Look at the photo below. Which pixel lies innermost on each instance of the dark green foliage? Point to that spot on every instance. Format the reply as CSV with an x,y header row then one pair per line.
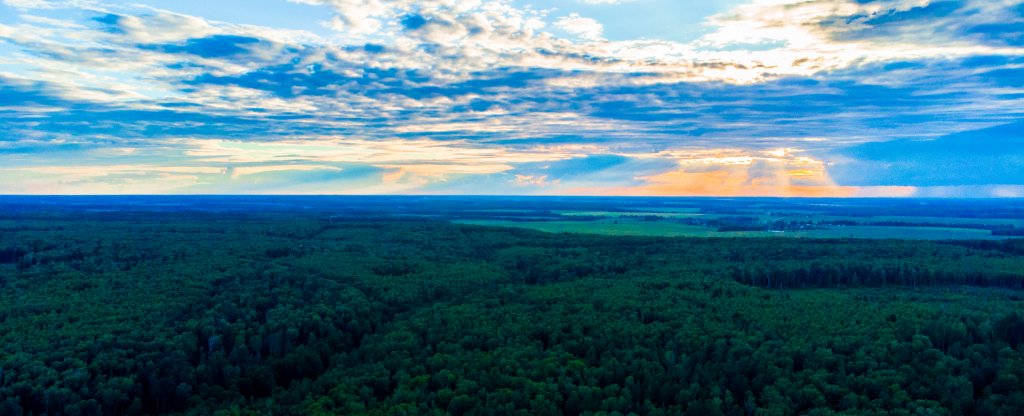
x,y
853,263
199,314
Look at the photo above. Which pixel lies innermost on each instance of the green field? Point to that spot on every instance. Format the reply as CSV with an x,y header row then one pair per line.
x,y
909,233
798,216
635,227
952,220
618,214
605,227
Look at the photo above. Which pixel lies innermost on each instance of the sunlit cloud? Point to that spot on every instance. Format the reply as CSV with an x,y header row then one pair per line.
x,y
794,98
585,28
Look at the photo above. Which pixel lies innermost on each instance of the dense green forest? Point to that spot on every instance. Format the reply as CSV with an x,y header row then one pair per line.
x,y
258,313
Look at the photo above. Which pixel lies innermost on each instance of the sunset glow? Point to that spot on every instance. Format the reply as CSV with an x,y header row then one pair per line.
x,y
761,98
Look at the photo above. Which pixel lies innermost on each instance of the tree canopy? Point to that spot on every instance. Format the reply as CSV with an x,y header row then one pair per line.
x,y
197,313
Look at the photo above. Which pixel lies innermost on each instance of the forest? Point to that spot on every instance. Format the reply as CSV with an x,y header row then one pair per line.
x,y
306,312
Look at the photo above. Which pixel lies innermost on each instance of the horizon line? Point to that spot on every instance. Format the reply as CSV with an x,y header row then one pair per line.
x,y
879,197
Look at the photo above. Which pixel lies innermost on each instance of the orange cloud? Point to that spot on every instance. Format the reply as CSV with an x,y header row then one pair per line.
x,y
719,183
731,173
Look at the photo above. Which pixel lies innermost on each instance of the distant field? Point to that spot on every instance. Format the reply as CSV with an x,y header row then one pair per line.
x,y
690,210
605,227
952,220
625,226
791,216
501,210
908,233
799,216
630,214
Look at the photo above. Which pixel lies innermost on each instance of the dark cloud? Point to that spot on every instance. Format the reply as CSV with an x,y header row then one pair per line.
x,y
936,20
936,9
341,178
481,105
374,48
615,170
834,105
24,94
413,21
978,157
1007,34
85,120
217,46
290,80
896,100
1004,77
111,22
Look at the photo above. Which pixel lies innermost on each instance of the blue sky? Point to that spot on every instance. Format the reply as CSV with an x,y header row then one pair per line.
x,y
592,97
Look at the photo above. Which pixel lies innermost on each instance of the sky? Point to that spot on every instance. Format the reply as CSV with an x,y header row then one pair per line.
x,y
811,98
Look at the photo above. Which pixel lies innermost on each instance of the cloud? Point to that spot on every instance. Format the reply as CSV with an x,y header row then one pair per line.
x,y
216,46
582,27
991,156
805,37
594,170
453,96
291,180
724,172
533,180
154,28
30,4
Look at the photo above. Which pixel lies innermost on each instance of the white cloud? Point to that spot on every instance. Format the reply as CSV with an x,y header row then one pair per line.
x,y
50,22
29,4
533,180
407,105
583,27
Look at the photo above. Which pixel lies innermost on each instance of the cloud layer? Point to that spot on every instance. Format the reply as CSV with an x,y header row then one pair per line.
x,y
823,97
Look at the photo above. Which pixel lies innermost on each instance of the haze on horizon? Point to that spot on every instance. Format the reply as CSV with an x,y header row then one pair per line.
x,y
517,97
